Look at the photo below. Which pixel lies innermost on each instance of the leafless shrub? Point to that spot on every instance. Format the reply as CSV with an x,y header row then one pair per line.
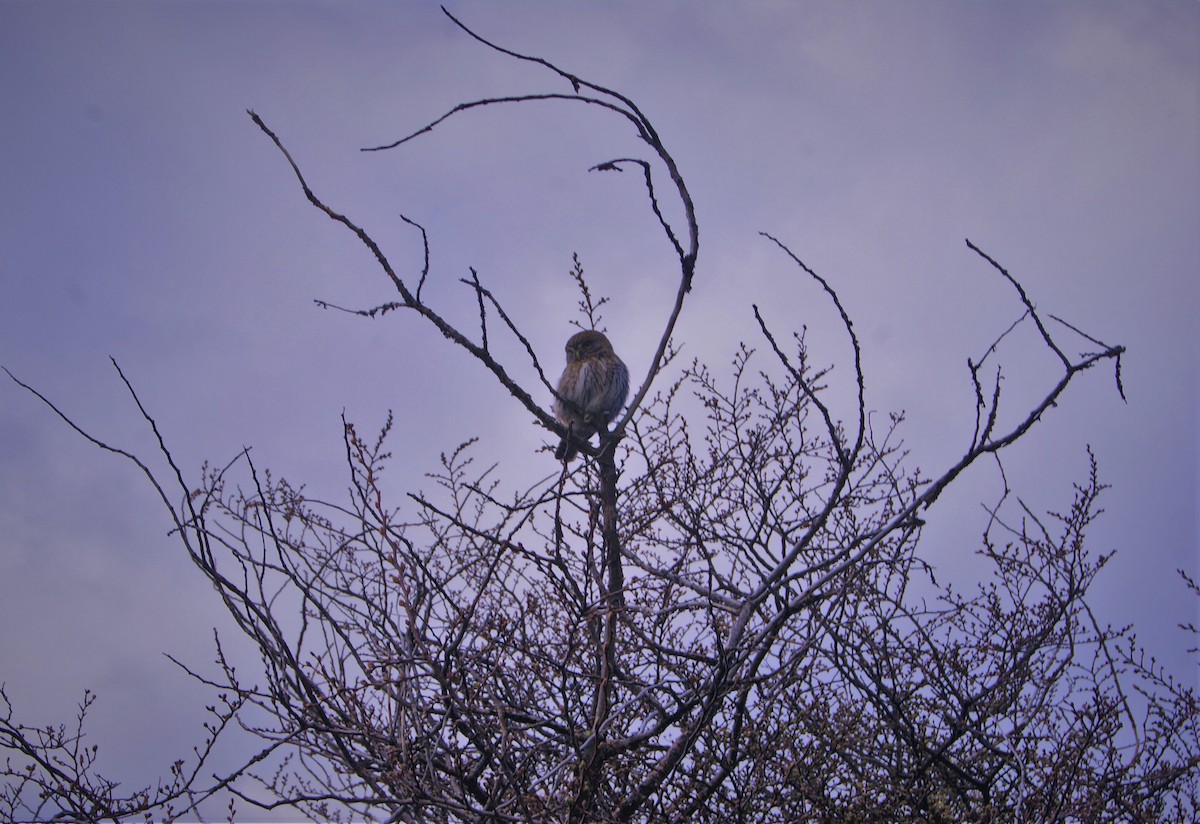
x,y
722,614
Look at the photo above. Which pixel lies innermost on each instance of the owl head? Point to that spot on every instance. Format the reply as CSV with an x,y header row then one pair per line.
x,y
587,344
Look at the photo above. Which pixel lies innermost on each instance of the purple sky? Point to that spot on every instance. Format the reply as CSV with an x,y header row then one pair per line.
x,y
146,218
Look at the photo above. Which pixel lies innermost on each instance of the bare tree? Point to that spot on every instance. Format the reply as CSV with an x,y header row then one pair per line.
x,y
721,614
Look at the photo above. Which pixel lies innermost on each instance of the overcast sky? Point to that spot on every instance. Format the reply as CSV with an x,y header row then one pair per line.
x,y
144,217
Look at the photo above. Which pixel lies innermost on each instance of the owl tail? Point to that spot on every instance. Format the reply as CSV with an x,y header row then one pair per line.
x,y
566,451
568,447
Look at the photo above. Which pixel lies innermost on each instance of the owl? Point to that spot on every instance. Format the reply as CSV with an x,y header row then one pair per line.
x,y
591,391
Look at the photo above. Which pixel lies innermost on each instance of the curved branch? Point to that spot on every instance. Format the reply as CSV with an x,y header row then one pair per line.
x,y
647,133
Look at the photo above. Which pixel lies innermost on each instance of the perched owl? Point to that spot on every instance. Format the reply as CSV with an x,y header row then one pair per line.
x,y
591,391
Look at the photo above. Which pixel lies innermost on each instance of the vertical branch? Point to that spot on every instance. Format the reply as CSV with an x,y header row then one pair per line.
x,y
591,756
615,596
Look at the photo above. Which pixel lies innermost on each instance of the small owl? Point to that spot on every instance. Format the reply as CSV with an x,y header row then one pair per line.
x,y
591,391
